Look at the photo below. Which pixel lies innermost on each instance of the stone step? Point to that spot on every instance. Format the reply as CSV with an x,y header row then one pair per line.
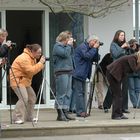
x,y
98,123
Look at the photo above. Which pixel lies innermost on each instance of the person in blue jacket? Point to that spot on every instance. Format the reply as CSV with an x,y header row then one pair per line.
x,y
63,68
84,55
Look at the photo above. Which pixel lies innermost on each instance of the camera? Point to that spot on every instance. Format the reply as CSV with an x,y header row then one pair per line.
x,y
13,44
47,58
101,43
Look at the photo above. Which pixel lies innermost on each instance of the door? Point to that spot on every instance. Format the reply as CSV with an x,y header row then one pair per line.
x,y
25,27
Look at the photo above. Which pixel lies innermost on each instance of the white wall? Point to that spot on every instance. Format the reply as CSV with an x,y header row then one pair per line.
x,y
106,27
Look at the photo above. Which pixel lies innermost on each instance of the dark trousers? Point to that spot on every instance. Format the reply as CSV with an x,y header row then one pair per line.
x,y
115,87
125,93
108,98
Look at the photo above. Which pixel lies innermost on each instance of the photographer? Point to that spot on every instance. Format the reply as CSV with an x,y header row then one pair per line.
x,y
63,68
116,71
118,48
4,46
84,56
22,70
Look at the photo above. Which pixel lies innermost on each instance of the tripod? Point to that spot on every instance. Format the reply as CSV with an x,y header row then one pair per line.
x,y
6,67
41,93
92,86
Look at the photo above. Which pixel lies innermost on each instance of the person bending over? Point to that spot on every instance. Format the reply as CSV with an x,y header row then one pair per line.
x,y
22,70
116,71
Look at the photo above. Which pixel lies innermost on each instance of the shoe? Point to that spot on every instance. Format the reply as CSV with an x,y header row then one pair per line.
x,y
124,117
71,111
18,122
83,114
125,111
35,119
67,115
116,118
32,119
106,110
100,106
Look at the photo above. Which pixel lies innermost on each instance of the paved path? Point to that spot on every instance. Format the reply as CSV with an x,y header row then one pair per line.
x,y
98,123
84,137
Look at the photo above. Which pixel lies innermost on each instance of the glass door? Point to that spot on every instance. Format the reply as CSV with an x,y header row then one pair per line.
x,y
0,72
3,95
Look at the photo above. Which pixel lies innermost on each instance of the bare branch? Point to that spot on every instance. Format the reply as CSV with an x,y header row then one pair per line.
x,y
93,8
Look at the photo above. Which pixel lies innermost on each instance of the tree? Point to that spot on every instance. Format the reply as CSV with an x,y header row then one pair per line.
x,y
93,8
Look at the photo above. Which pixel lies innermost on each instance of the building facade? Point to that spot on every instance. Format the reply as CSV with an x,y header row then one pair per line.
x,y
31,22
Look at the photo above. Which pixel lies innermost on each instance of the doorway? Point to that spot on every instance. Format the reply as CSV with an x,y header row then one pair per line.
x,y
24,27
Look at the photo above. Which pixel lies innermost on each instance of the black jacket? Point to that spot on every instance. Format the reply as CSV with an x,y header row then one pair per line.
x,y
3,50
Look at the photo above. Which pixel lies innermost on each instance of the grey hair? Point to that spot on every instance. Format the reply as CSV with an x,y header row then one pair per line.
x,y
92,37
3,31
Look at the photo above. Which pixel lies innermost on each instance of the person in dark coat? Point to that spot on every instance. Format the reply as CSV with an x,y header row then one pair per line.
x,y
85,54
118,48
4,45
116,71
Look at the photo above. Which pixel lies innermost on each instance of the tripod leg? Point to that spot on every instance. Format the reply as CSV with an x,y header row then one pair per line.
x,y
136,106
10,99
56,100
41,92
10,104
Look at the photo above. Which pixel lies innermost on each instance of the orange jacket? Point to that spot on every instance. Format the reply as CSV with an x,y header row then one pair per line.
x,y
23,69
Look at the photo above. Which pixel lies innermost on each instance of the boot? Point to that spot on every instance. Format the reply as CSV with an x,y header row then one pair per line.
x,y
67,115
61,116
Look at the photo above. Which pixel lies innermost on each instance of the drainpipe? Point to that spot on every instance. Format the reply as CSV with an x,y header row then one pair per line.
x,y
137,20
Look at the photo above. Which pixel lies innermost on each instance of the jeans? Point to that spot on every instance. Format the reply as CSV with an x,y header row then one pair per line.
x,y
73,99
79,91
63,91
134,90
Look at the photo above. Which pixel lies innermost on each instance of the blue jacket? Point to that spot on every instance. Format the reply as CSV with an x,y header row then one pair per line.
x,y
84,57
62,57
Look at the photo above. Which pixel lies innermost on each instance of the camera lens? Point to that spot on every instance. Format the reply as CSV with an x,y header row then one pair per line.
x,y
101,43
13,44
